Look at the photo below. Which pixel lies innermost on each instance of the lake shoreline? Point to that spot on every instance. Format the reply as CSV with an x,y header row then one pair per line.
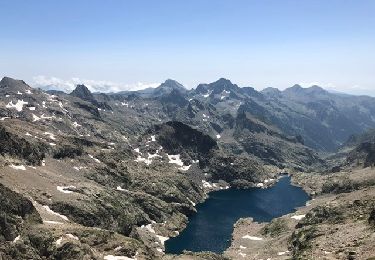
x,y
219,193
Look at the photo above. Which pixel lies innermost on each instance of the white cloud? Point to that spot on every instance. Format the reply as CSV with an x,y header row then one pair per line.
x,y
103,86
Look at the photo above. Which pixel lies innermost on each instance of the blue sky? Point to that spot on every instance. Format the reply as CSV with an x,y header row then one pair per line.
x,y
123,44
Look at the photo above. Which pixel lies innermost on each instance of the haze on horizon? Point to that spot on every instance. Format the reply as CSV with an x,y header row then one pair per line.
x,y
120,45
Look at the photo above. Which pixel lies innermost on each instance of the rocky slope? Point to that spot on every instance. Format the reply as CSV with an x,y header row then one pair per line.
x,y
336,224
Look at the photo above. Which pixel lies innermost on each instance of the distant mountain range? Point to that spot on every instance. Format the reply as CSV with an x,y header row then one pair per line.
x,y
306,112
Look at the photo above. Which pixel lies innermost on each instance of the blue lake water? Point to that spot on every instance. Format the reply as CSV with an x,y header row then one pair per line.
x,y
210,229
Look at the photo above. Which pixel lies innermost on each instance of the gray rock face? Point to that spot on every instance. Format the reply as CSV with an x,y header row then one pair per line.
x,y
16,213
16,146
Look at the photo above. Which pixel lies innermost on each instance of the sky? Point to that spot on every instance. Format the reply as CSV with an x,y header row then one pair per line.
x,y
120,45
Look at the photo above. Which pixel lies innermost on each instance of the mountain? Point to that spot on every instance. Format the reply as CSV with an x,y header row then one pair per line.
x,y
324,120
167,87
125,170
82,92
164,89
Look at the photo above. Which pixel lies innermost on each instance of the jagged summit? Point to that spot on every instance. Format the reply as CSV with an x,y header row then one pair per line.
x,y
82,92
217,86
223,81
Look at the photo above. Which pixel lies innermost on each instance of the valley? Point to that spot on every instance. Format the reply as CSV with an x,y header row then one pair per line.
x,y
115,175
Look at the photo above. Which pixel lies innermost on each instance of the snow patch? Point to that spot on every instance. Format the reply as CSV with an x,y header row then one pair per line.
x,y
50,135
16,239
52,222
192,203
55,213
35,118
145,160
252,238
242,254
72,236
46,117
18,106
78,168
92,157
59,241
298,217
175,159
185,167
18,167
206,184
75,124
162,239
282,253
62,107
65,189
115,257
120,189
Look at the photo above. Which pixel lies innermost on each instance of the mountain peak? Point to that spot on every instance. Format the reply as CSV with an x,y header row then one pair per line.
x,y
297,89
82,92
7,81
221,85
223,81
172,84
168,87
317,89
13,84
